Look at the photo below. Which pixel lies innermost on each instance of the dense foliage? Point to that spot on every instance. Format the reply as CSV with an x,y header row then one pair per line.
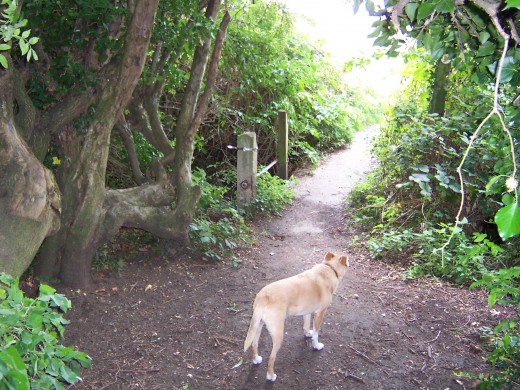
x,y
32,356
459,165
266,66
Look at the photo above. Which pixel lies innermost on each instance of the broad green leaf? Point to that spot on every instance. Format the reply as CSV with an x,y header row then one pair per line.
x,y
411,10
486,49
4,46
26,34
67,374
24,46
3,61
484,36
508,220
12,359
512,4
509,69
35,319
34,40
425,10
492,186
419,177
46,290
445,6
422,168
507,199
61,301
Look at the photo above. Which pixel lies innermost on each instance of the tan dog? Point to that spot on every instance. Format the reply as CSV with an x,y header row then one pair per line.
x,y
300,295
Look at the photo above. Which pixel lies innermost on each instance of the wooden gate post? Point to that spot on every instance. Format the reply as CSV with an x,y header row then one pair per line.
x,y
247,152
282,146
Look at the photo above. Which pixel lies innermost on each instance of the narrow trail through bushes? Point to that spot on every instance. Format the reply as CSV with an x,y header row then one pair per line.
x,y
167,323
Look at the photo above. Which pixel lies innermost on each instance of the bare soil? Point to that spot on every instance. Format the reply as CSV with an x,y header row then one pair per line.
x,y
167,322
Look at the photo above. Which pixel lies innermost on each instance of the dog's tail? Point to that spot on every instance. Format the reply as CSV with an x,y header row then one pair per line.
x,y
256,319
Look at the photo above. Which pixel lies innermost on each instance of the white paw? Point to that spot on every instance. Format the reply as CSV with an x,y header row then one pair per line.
x,y
257,359
308,333
271,378
317,346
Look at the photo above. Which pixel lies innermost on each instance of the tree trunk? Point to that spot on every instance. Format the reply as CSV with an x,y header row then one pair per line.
x,y
440,88
29,196
190,118
72,250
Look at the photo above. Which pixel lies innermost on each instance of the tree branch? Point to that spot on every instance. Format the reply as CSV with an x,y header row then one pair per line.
x,y
203,103
397,10
128,140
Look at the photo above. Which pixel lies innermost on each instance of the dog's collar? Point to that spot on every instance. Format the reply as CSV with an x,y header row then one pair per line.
x,y
332,268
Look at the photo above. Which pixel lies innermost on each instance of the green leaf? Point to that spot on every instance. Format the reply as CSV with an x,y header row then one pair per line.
x,y
486,49
425,10
14,373
68,375
419,177
411,10
24,46
445,6
26,34
508,69
508,221
484,36
4,46
507,199
512,4
492,185
3,61
46,290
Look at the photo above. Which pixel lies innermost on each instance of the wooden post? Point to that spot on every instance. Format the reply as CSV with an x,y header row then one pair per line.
x,y
282,146
247,152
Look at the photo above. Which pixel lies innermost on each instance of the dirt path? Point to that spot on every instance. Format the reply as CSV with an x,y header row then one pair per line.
x,y
163,324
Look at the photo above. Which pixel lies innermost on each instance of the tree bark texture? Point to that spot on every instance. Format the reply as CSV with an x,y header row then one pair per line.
x,y
76,203
72,250
440,88
29,195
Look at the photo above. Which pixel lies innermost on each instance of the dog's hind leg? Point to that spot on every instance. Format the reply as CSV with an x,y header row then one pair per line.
x,y
275,326
307,331
257,359
316,325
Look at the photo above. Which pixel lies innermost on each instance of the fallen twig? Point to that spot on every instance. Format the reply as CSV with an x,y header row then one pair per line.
x,y
228,339
356,378
408,337
362,355
434,339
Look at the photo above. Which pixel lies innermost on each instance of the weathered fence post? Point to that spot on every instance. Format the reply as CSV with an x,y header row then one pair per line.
x,y
247,152
282,131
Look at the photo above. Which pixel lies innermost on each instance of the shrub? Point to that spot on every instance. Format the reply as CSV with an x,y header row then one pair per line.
x,y
217,229
31,355
272,195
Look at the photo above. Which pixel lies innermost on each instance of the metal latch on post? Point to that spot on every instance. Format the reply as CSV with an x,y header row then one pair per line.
x,y
242,148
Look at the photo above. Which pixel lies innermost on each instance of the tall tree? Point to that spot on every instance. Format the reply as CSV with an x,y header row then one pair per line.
x,y
63,108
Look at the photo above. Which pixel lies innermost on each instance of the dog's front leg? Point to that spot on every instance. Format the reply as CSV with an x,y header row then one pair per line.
x,y
307,331
316,325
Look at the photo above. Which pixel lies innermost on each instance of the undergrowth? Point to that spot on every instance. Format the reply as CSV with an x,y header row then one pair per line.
x,y
409,200
31,353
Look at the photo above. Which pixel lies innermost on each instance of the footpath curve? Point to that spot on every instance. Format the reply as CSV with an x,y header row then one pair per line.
x,y
180,324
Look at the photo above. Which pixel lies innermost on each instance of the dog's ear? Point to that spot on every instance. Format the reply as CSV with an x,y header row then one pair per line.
x,y
329,256
344,260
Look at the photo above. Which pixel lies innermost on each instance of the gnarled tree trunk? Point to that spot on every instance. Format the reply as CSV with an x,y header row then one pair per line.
x,y
72,250
29,196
